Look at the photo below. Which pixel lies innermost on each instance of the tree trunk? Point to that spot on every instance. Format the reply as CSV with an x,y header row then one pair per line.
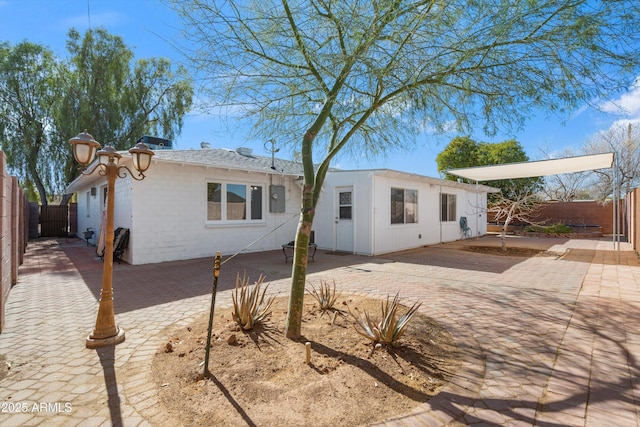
x,y
37,181
41,190
503,235
299,268
32,166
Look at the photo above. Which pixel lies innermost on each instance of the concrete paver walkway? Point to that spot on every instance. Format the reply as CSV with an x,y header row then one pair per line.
x,y
546,341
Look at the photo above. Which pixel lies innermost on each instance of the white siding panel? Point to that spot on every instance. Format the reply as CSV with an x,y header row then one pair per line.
x,y
374,233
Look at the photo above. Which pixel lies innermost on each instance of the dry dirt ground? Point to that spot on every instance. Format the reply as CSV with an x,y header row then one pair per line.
x,y
261,378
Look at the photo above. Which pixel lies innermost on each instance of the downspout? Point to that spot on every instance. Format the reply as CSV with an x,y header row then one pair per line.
x,y
617,207
478,213
373,214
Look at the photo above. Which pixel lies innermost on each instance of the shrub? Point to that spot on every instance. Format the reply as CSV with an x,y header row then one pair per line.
x,y
326,296
249,305
553,228
391,327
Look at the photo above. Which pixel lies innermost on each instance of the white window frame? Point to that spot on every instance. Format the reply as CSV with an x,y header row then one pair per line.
x,y
248,204
451,214
404,206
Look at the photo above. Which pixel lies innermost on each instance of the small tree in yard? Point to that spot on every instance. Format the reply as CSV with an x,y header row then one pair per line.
x,y
522,207
366,76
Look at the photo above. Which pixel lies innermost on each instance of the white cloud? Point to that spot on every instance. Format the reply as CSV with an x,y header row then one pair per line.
x,y
628,104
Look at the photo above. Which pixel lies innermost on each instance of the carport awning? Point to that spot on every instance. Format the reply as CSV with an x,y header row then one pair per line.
x,y
536,168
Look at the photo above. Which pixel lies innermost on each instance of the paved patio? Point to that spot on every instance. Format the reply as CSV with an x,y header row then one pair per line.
x,y
547,341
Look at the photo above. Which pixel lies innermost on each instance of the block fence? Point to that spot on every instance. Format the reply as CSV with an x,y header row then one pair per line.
x,y
13,208
577,213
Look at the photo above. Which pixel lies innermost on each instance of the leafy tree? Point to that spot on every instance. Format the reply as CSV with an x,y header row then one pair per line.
x,y
29,91
463,152
118,101
366,75
46,100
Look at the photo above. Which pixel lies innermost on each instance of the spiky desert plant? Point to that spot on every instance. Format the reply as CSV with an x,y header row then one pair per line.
x,y
250,306
325,295
391,327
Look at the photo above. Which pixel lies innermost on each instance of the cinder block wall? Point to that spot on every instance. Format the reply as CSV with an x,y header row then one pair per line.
x,y
12,233
633,209
578,213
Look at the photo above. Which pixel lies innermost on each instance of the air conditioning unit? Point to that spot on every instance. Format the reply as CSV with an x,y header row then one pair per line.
x,y
156,143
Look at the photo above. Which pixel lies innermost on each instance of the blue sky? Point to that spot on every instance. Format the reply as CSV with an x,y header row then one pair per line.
x,y
147,25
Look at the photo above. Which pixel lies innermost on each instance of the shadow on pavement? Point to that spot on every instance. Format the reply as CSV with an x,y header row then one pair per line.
x,y
107,359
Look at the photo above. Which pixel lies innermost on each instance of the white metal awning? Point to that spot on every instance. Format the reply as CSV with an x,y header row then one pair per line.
x,y
536,168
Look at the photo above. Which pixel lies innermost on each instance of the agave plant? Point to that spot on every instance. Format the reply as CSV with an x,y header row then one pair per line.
x,y
325,295
391,327
250,306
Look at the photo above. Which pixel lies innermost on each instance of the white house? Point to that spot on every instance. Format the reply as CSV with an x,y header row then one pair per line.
x,y
196,202
193,203
374,212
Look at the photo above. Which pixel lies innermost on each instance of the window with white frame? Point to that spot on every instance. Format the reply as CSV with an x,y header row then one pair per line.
x,y
234,202
447,207
404,206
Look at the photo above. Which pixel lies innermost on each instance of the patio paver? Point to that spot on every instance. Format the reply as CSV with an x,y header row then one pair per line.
x,y
546,340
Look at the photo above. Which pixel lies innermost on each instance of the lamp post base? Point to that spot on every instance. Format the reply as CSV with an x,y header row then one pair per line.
x,y
103,342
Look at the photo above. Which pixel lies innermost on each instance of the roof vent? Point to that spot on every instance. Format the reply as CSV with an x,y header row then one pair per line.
x,y
245,151
205,145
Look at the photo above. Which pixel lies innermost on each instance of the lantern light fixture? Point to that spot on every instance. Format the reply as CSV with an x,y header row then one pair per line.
x,y
106,332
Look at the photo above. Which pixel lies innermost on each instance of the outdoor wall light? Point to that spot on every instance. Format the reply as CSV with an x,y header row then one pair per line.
x,y
106,332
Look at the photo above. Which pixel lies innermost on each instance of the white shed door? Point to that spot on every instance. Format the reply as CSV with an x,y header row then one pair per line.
x,y
343,230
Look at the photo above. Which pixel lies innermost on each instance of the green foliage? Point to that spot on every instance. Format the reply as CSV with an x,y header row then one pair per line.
x,y
464,152
249,305
45,100
325,295
116,98
29,92
550,229
389,328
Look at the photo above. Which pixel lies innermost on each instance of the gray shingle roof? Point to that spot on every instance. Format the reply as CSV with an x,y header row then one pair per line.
x,y
229,159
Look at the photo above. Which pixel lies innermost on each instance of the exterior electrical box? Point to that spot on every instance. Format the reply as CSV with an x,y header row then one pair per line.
x,y
276,198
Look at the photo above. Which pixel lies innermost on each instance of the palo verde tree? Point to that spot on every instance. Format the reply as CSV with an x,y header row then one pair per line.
x,y
366,75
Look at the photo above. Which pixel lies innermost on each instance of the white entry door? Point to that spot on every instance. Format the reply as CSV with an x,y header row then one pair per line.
x,y
343,230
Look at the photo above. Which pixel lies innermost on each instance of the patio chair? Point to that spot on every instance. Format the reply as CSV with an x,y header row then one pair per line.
x,y
464,228
288,248
120,243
